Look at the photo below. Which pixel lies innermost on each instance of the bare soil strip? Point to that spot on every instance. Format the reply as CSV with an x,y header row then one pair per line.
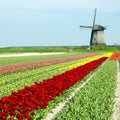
x,y
52,115
116,114
29,54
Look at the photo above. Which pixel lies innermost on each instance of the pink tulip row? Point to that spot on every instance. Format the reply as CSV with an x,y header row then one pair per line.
x,y
12,68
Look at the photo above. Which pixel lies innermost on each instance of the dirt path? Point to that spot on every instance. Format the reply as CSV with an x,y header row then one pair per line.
x,y
29,54
116,115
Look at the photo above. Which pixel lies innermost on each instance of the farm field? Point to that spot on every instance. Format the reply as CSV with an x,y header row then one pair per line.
x,y
31,93
95,100
12,60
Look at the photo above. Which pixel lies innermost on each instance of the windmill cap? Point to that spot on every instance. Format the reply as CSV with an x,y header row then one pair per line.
x,y
99,27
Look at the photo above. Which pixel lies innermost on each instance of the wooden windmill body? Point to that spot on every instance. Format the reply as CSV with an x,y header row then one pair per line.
x,y
97,33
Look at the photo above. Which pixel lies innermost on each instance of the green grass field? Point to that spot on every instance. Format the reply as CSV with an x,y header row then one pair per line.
x,y
58,49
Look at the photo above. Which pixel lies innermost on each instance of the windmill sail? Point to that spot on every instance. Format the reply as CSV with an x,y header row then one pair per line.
x,y
92,32
86,26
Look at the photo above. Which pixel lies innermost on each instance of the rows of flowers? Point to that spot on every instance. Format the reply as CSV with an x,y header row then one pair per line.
x,y
17,81
22,104
96,100
115,56
88,60
7,69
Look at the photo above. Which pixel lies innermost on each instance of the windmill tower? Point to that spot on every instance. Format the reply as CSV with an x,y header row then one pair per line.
x,y
97,33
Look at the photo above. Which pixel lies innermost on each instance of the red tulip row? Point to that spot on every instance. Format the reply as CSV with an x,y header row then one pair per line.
x,y
7,69
21,104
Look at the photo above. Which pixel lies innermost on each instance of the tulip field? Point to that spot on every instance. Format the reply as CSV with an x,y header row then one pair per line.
x,y
30,90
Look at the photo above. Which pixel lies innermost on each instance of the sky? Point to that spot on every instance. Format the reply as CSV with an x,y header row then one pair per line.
x,y
56,22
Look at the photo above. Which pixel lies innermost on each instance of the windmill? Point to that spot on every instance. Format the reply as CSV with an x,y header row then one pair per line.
x,y
97,33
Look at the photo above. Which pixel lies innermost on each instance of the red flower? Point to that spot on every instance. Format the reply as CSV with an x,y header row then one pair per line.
x,y
11,119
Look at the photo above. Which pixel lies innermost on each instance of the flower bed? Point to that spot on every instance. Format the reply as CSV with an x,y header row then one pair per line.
x,y
7,69
115,56
96,99
21,104
17,81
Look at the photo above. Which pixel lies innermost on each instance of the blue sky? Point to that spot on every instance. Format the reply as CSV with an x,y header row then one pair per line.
x,y
56,22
